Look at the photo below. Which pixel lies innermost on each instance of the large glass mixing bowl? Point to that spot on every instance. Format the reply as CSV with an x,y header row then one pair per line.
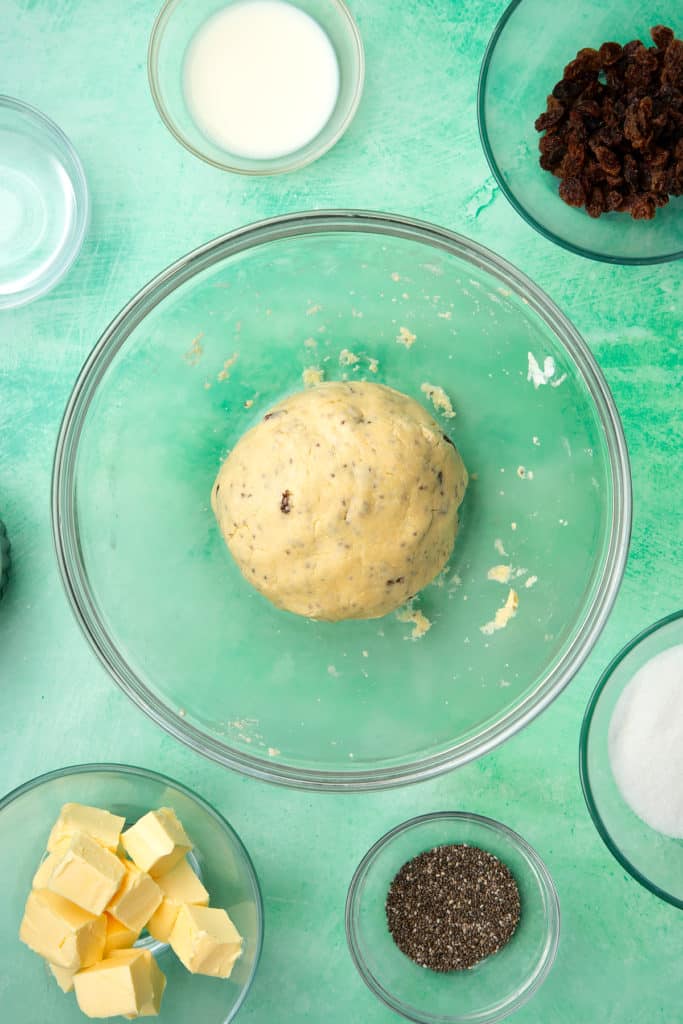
x,y
197,357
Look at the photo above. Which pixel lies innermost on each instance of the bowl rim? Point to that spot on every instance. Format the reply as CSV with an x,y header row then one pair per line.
x,y
279,165
510,195
127,769
57,138
64,516
548,886
584,772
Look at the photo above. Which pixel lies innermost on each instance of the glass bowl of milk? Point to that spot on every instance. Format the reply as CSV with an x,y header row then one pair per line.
x,y
256,86
631,758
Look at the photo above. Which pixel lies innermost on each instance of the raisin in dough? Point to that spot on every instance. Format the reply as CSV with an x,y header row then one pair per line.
x,y
342,502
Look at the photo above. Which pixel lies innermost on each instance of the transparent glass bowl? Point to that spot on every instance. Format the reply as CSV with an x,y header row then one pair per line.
x,y
44,205
350,705
175,27
654,860
524,59
491,989
26,816
5,558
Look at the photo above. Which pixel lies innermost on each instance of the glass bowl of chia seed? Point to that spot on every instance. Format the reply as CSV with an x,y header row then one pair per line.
x,y
455,888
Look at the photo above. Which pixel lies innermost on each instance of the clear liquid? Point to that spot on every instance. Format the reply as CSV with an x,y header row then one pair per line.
x,y
37,213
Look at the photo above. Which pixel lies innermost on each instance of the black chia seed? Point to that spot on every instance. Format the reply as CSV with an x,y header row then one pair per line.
x,y
452,906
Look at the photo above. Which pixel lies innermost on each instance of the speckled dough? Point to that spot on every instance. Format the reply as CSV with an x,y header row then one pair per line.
x,y
343,502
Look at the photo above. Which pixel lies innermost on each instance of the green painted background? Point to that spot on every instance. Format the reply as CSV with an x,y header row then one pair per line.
x,y
412,149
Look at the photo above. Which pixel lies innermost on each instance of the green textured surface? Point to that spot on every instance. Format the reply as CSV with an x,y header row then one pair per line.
x,y
412,149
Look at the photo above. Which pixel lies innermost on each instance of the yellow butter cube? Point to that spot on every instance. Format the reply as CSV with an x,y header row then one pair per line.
x,y
119,936
205,940
60,931
157,841
42,875
182,885
87,874
179,885
157,981
103,827
160,924
128,983
63,976
136,900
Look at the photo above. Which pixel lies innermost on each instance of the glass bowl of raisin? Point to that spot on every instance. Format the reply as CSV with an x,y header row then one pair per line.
x,y
584,130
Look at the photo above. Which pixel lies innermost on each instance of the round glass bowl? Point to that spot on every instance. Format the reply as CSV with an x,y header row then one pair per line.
x,y
654,860
26,817
493,988
526,56
175,27
197,358
44,206
5,558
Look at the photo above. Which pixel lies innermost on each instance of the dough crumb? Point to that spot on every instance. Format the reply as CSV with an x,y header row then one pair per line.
x,y
195,351
249,402
332,671
348,358
365,654
312,376
439,399
530,582
356,313
503,615
273,751
537,375
500,573
536,441
405,337
445,316
525,474
395,276
421,624
207,385
560,380
310,343
227,366
498,545
313,309
513,526
373,364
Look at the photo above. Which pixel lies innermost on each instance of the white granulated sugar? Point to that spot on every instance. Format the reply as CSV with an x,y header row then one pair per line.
x,y
646,742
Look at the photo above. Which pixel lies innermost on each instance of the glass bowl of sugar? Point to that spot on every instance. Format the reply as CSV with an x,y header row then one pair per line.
x,y
256,86
631,758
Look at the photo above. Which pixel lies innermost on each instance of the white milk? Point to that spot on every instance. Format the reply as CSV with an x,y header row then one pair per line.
x,y
261,78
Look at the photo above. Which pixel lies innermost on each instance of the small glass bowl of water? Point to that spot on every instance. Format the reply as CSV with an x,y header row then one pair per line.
x,y
44,206
228,102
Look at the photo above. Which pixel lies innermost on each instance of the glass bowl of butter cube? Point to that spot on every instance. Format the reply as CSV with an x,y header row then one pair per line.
x,y
124,896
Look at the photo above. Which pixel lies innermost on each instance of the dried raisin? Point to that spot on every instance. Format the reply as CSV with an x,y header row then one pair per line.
x,y
614,127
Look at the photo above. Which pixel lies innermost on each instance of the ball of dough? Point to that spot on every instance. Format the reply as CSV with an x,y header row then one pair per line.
x,y
343,502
